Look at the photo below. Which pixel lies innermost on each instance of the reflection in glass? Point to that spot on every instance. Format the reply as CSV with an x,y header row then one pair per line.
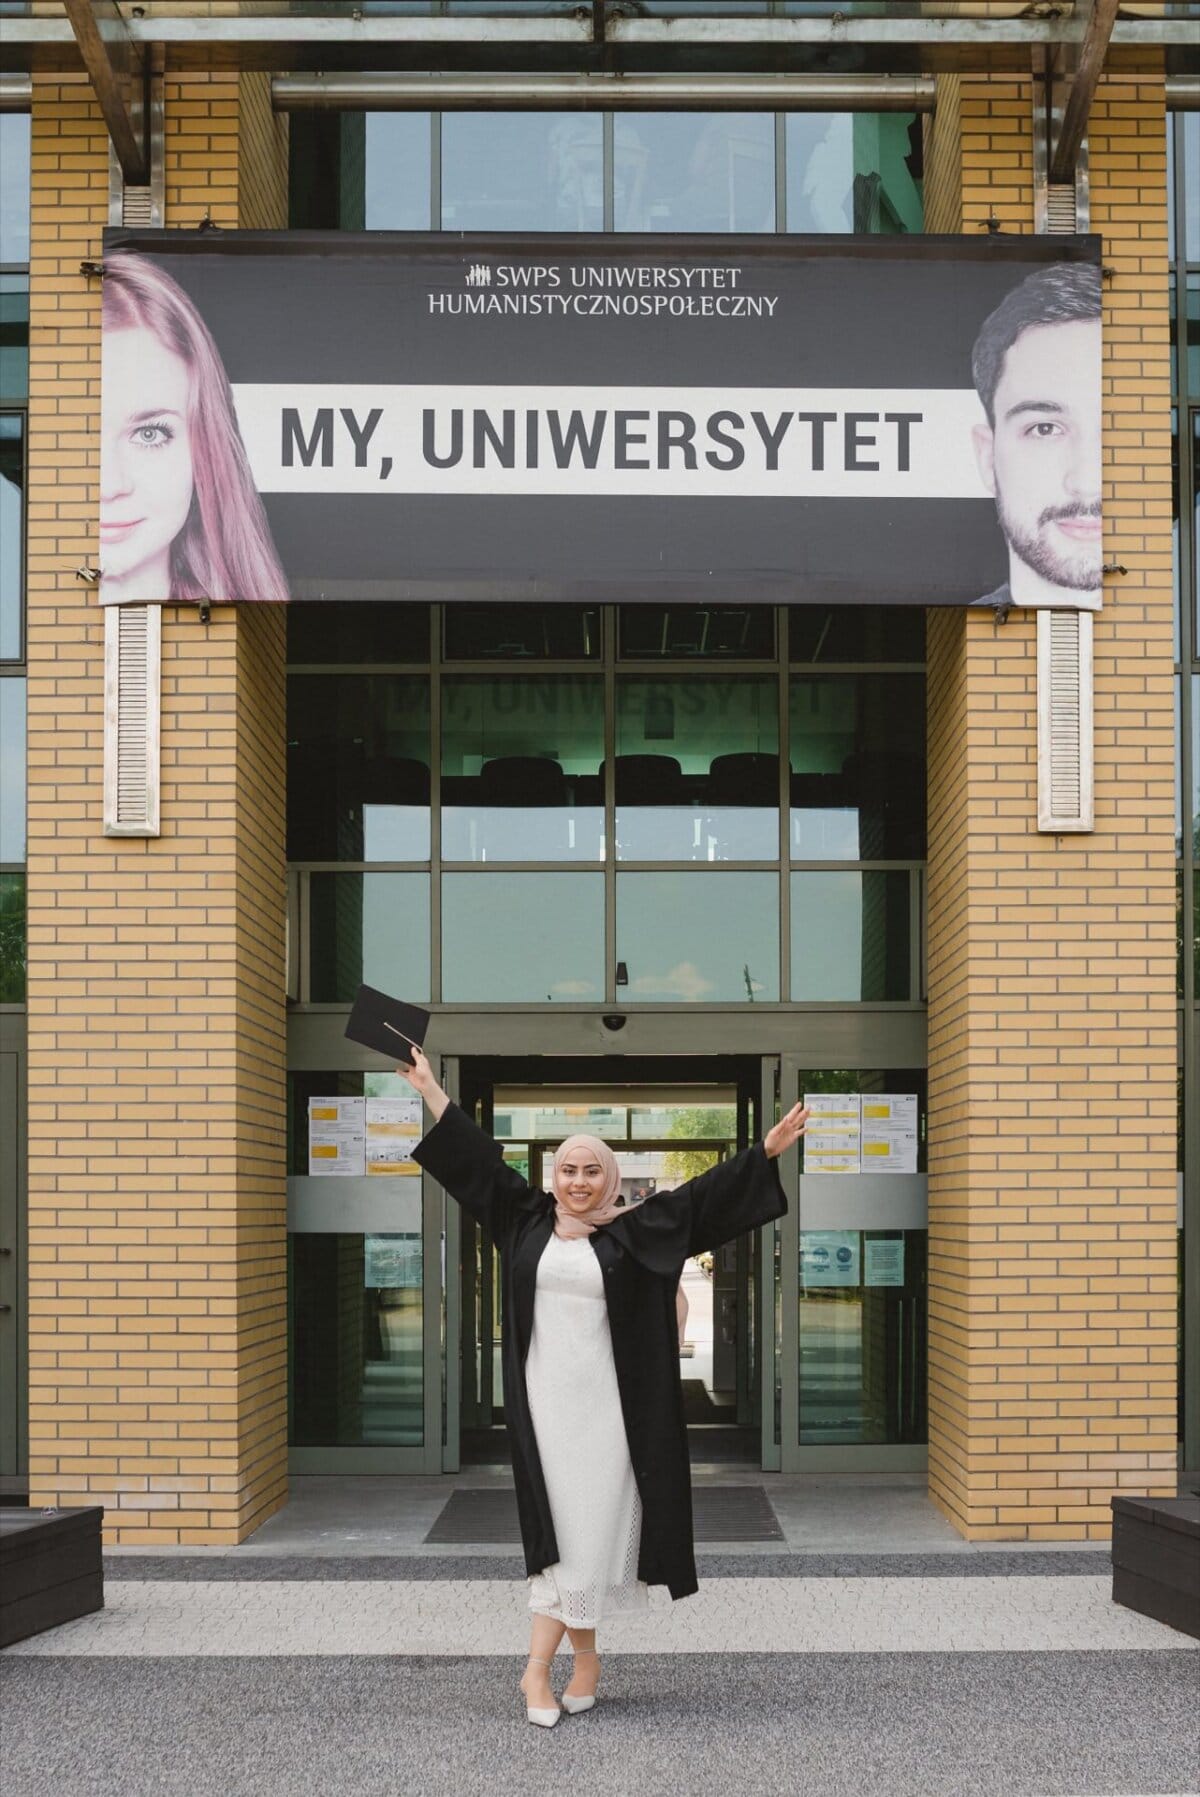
x,y
857,767
12,939
732,632
833,633
512,938
545,632
851,936
694,171
352,631
853,172
371,928
1191,160
14,186
12,535
697,770
522,171
12,768
397,159
521,763
1195,793
356,1340
14,337
862,1369
698,938
358,767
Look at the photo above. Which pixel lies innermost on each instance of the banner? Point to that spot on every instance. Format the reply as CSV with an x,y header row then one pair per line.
x,y
845,420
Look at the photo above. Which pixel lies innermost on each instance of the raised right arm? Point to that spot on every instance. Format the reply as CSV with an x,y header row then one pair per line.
x,y
463,1158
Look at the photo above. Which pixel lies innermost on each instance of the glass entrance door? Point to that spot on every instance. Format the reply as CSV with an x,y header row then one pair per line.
x,y
662,1133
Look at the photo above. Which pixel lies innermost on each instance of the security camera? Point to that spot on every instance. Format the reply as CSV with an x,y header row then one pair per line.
x,y
614,1022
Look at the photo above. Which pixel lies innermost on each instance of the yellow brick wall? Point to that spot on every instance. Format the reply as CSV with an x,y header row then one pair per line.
x,y
1052,959
156,1013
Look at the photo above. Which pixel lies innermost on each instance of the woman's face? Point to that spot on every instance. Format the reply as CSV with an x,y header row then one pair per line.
x,y
146,462
578,1182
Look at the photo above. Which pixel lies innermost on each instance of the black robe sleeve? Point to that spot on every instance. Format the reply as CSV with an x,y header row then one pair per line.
x,y
469,1164
729,1199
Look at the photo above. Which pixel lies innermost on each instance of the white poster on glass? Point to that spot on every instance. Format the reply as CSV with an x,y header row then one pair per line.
x,y
889,1132
832,1133
335,1138
393,1129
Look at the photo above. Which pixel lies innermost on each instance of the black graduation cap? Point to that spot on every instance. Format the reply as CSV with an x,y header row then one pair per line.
x,y
387,1025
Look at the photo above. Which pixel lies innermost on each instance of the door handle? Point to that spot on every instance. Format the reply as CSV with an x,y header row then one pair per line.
x,y
4,1307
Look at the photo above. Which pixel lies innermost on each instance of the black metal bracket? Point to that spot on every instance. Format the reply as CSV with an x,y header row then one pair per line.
x,y
93,270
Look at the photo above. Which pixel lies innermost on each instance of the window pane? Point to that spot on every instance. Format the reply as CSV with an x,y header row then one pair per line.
x,y
12,536
358,767
856,633
521,763
850,936
12,939
857,767
14,187
397,184
1195,793
548,632
863,1335
12,769
522,938
522,171
694,171
14,338
356,1340
853,172
697,772
371,928
736,633
698,938
347,631
1191,161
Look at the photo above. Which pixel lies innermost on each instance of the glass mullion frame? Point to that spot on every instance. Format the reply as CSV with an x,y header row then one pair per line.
x,y
608,657
782,644
436,650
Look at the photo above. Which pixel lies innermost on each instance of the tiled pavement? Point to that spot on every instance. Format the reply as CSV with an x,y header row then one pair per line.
x,y
350,1667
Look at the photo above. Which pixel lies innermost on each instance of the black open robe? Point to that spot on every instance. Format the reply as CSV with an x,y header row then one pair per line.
x,y
642,1256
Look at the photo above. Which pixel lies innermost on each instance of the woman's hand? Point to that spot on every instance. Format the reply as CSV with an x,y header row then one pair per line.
x,y
420,1077
786,1132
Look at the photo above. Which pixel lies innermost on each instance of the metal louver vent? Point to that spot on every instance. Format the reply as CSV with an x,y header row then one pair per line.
x,y
1065,787
1060,206
137,206
132,679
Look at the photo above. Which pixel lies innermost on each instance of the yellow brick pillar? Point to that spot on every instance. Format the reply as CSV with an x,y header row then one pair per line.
x,y
156,966
1052,959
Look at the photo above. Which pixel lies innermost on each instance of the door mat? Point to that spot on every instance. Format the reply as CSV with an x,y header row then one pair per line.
x,y
722,1513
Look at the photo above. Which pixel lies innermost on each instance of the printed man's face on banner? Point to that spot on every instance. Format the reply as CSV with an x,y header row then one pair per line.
x,y
1041,457
146,462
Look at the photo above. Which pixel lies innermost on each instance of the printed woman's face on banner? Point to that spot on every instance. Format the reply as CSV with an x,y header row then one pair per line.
x,y
146,476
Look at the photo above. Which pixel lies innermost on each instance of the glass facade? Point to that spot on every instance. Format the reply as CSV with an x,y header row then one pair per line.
x,y
14,397
652,807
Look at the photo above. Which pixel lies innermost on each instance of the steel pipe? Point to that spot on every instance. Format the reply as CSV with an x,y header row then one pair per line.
x,y
1183,93
16,93
381,91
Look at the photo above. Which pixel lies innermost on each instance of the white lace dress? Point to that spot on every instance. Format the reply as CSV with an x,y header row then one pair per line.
x,y
576,1410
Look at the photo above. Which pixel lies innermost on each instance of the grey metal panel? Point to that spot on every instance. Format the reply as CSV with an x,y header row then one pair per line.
x,y
862,1037
384,91
864,1201
366,1206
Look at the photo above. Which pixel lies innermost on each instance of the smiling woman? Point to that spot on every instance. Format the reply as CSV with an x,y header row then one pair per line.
x,y
180,516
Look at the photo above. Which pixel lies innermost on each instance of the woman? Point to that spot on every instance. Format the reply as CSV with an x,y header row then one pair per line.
x,y
591,1367
180,516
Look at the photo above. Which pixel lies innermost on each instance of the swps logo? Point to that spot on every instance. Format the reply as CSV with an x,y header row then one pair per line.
x,y
479,275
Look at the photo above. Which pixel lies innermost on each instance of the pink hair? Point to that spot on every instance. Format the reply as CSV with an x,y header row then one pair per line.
x,y
224,550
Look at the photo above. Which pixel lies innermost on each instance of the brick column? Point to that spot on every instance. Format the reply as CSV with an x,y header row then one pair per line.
x,y
1052,959
156,967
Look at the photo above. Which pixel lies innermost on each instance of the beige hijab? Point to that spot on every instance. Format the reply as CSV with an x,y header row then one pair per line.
x,y
568,1225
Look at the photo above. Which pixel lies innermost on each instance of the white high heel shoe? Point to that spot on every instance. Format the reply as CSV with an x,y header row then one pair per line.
x,y
540,1718
575,1706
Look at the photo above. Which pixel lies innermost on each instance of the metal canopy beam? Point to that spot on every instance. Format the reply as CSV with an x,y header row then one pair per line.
x,y
1101,18
384,92
832,44
110,59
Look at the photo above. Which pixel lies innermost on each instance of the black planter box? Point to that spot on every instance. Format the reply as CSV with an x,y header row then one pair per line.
x,y
50,1569
1156,1559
